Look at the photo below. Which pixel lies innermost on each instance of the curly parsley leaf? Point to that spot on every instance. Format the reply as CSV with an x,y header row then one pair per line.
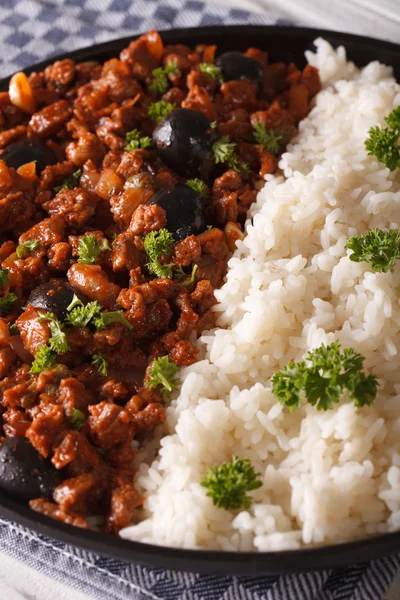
x,y
13,329
162,376
4,277
58,341
321,379
105,319
70,182
159,110
230,483
180,273
198,186
45,358
160,82
157,243
100,362
76,419
26,248
135,140
6,304
267,137
212,71
383,142
89,248
379,247
81,314
224,152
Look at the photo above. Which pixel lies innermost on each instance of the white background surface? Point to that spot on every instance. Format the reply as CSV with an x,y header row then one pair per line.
x,y
375,18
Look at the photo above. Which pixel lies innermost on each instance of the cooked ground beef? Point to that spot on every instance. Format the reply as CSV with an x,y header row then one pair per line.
x,y
123,189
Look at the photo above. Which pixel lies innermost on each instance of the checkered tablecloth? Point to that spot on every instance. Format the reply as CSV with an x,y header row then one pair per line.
x,y
31,30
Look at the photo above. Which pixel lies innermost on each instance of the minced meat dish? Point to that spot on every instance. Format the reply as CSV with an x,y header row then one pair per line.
x,y
124,188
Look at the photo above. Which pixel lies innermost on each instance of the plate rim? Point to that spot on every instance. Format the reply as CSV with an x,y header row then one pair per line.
x,y
199,560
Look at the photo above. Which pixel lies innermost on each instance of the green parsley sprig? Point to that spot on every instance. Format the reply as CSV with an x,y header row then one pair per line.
x,y
100,362
6,304
135,140
162,376
45,358
159,110
4,277
160,82
90,247
105,319
383,142
230,483
198,186
321,379
379,247
180,274
267,137
25,249
224,152
212,71
58,341
77,418
70,182
157,243
80,314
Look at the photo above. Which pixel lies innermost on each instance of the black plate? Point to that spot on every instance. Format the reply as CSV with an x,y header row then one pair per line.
x,y
286,44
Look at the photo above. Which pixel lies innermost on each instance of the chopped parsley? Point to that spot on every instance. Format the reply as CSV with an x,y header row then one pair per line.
x,y
322,377
100,362
105,319
383,142
212,71
26,248
80,314
379,247
45,358
198,186
224,152
77,418
157,243
4,277
70,182
181,274
135,140
159,110
89,248
162,376
230,483
13,329
160,82
267,137
58,341
6,304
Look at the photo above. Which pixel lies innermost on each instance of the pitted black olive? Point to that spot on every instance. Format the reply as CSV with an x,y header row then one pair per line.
x,y
20,153
24,473
183,141
55,296
184,208
235,65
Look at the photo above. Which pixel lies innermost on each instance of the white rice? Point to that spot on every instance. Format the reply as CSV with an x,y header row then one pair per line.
x,y
327,476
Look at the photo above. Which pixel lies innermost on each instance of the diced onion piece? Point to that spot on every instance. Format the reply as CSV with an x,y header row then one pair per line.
x,y
154,44
109,184
233,233
209,54
21,93
28,170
